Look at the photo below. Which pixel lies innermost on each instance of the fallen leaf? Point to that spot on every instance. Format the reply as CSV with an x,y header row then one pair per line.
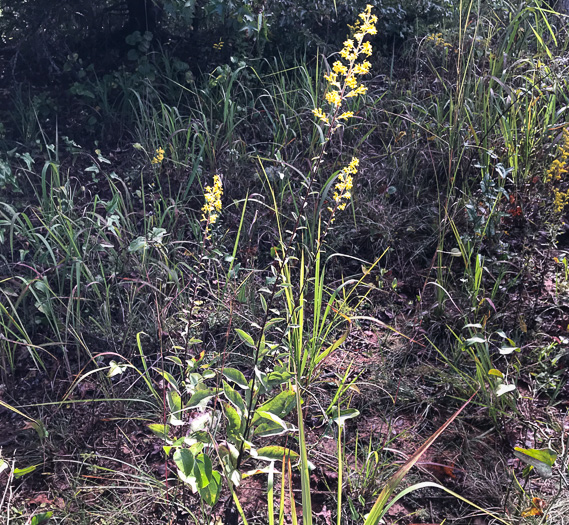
x,y
40,499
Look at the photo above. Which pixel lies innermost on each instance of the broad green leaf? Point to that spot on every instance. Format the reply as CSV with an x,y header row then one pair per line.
x,y
202,471
210,493
233,423
232,374
169,377
494,372
245,337
275,419
276,453
541,459
184,460
200,399
234,397
270,428
278,378
281,405
175,405
161,431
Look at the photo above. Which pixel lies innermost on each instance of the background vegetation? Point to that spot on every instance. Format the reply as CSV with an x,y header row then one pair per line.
x,y
217,306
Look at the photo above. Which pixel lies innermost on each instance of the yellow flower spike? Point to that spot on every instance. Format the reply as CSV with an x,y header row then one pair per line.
x,y
212,207
343,78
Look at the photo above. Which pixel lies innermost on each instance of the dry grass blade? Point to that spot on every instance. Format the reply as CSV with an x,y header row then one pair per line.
x,y
378,509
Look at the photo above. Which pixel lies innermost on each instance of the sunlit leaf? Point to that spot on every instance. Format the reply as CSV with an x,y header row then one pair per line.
x,y
276,453
232,374
161,431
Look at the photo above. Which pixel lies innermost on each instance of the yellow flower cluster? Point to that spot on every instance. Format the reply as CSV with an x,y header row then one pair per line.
x,y
218,46
159,157
343,79
558,168
437,40
212,206
342,189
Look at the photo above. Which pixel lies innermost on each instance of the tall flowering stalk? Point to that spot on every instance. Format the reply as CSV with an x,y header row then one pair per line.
x,y
344,82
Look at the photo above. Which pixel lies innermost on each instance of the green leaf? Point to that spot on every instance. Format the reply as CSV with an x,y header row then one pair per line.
x,y
138,244
184,460
161,431
203,471
270,428
234,397
232,374
169,377
475,340
40,518
233,423
200,398
19,472
276,453
175,405
507,350
344,414
245,337
275,419
281,405
541,459
210,493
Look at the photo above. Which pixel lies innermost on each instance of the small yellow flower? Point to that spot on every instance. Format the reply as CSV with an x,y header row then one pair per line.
x,y
360,90
159,157
340,68
319,114
346,115
333,97
351,82
362,69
